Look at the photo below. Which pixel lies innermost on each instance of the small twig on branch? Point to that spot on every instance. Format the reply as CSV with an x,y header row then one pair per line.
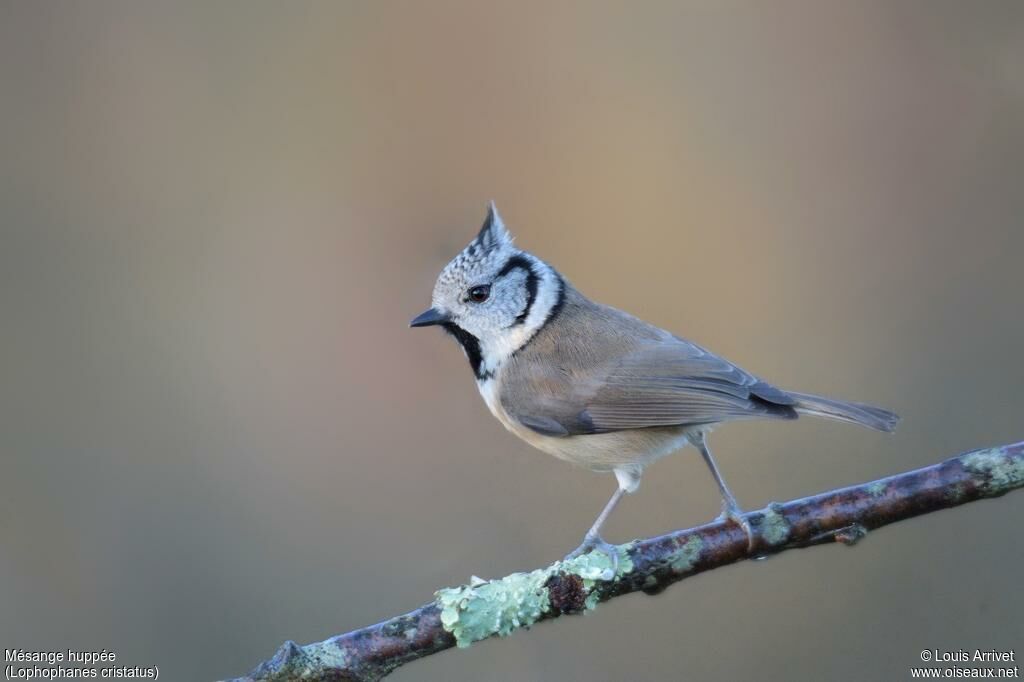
x,y
463,615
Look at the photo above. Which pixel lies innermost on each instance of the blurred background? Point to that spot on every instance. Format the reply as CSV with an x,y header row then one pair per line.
x,y
216,220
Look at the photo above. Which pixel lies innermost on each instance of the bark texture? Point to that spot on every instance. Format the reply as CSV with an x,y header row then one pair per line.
x,y
462,615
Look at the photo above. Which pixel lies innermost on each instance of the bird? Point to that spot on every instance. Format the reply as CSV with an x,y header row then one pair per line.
x,y
593,385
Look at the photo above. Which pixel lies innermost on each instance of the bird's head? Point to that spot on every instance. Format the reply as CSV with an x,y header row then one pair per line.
x,y
492,297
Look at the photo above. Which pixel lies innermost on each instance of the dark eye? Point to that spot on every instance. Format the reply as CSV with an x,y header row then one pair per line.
x,y
480,294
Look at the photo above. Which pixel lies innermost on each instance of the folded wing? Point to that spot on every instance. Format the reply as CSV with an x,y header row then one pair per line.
x,y
659,383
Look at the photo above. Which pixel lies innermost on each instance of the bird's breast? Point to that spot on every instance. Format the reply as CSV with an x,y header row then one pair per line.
x,y
490,391
489,388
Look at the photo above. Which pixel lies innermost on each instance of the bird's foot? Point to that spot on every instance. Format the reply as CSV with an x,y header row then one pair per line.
x,y
732,512
594,543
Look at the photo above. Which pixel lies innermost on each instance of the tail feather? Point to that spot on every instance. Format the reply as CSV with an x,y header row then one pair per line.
x,y
845,411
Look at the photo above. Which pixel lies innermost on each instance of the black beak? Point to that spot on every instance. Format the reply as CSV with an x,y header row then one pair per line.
x,y
428,318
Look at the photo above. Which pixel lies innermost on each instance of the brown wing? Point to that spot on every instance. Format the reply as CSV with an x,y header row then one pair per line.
x,y
602,370
676,383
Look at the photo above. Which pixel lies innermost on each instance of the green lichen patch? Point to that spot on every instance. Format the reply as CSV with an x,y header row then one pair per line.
x,y
497,607
774,527
294,662
597,565
484,609
1000,472
684,558
877,489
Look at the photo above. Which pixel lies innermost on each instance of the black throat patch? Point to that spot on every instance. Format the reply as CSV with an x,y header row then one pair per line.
x,y
471,345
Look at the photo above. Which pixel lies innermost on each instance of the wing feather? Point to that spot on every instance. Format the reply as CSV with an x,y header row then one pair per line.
x,y
620,373
668,383
680,383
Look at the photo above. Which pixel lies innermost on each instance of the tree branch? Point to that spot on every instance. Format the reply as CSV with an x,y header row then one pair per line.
x,y
462,615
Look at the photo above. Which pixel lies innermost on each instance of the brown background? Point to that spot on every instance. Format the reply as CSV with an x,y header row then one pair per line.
x,y
218,218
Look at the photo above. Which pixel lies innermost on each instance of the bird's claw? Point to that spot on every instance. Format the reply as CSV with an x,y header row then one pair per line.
x,y
593,543
731,512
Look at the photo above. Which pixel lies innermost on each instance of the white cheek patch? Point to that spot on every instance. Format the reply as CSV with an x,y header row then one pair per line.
x,y
498,347
549,292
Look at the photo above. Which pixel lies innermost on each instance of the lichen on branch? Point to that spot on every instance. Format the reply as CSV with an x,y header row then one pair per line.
x,y
482,609
486,608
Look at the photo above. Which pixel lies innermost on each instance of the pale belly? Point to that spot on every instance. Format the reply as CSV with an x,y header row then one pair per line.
x,y
633,449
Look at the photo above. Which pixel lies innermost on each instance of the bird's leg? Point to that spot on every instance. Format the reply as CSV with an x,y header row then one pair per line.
x,y
730,508
593,541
